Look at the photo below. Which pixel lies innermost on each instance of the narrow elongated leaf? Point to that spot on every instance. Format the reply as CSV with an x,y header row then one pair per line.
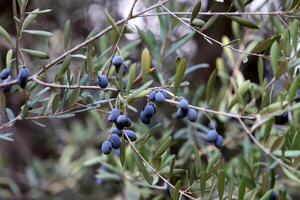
x,y
63,69
163,147
260,66
293,88
36,53
6,136
242,188
9,58
131,77
210,84
72,98
282,68
209,23
112,22
10,114
221,184
175,193
4,34
145,63
140,91
28,20
196,10
67,34
266,195
38,32
265,44
274,56
294,34
39,11
272,108
244,22
143,169
123,151
291,175
179,43
180,70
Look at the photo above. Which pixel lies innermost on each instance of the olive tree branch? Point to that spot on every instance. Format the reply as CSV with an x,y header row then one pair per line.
x,y
266,151
283,13
183,193
83,44
210,39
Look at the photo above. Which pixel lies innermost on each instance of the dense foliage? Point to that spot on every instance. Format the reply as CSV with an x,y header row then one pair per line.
x,y
134,113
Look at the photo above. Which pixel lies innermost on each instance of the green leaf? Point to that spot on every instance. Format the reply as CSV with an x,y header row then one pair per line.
x,y
198,23
260,69
196,10
209,23
72,98
266,195
221,184
291,175
243,22
265,44
63,69
141,91
9,58
288,153
294,33
273,108
244,87
36,53
242,188
143,169
210,84
112,22
274,55
67,34
163,147
175,193
293,88
282,68
123,151
131,77
5,35
179,43
28,20
145,63
180,70
38,32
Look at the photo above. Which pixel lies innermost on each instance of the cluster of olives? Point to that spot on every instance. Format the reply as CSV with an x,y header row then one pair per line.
x,y
121,121
214,138
149,110
184,111
117,61
22,77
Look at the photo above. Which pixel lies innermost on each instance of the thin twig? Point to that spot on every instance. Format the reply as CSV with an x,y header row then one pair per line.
x,y
210,39
155,171
84,87
266,151
284,13
228,114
